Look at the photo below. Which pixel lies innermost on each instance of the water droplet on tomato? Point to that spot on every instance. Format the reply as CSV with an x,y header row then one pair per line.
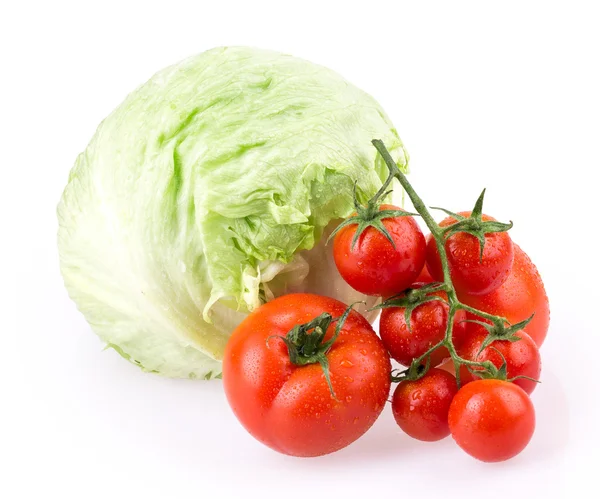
x,y
348,398
346,363
348,379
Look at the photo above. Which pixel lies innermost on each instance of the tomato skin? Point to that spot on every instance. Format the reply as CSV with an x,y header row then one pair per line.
x,y
427,327
468,273
521,295
522,357
492,420
421,407
289,408
374,267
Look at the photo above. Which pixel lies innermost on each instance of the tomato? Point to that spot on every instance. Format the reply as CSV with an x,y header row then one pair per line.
x,y
373,266
289,407
427,327
492,420
522,357
470,274
520,296
421,407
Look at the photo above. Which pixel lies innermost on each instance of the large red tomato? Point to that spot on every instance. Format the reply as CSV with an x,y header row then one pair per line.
x,y
290,407
521,295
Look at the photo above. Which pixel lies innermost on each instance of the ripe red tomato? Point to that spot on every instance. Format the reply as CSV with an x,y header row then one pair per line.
x,y
421,407
521,295
470,274
522,357
427,327
492,420
289,407
374,266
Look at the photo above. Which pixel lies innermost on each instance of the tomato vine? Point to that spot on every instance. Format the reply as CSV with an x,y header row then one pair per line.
x,y
498,327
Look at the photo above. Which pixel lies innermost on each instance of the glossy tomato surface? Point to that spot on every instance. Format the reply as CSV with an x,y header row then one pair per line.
x,y
290,408
491,420
427,327
522,357
373,266
469,273
421,407
521,295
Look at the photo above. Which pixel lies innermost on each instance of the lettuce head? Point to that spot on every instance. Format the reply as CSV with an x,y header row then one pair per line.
x,y
207,192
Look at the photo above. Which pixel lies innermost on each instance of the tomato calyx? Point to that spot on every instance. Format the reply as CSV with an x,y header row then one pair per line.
x,y
488,370
370,215
416,371
412,298
305,342
498,330
474,224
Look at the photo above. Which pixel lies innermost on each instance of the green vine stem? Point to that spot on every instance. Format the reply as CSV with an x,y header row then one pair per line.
x,y
438,233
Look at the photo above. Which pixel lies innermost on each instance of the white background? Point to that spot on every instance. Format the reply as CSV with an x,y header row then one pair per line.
x,y
497,94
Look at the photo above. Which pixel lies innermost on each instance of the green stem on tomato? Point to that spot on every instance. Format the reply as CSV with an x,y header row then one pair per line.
x,y
423,357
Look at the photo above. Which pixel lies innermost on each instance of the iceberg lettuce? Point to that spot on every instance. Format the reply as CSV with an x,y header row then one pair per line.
x,y
207,192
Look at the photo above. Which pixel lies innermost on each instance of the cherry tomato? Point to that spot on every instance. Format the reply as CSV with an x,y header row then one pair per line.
x,y
520,296
492,420
421,407
427,327
470,274
522,357
374,266
290,408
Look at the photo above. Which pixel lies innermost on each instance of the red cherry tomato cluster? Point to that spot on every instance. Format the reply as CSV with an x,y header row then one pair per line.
x,y
306,375
490,419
